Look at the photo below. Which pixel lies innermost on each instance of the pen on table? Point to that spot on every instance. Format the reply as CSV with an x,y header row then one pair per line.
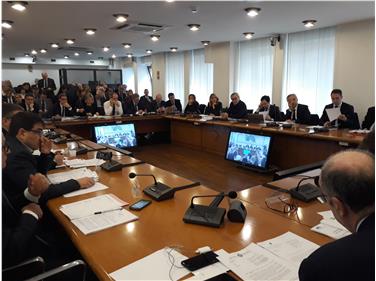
x,y
107,211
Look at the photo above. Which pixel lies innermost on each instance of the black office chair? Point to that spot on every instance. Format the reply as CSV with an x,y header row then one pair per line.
x,y
72,267
314,119
202,108
249,111
356,121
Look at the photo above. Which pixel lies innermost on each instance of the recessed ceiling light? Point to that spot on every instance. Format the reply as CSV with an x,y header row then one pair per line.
x,y
121,17
113,56
129,55
54,45
89,53
127,45
205,43
194,27
174,49
76,54
27,55
19,6
43,51
252,12
34,52
106,49
90,31
69,41
149,51
170,1
7,24
66,57
309,23
155,37
248,35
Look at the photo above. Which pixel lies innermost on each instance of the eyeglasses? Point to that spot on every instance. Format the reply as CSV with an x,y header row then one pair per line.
x,y
282,203
37,132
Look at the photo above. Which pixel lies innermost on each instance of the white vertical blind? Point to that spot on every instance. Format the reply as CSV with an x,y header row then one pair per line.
x,y
143,77
201,76
253,70
128,78
309,67
175,75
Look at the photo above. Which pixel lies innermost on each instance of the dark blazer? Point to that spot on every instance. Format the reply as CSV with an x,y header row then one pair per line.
x,y
18,231
215,111
192,109
21,163
57,111
304,116
144,104
50,84
369,120
155,106
347,110
90,109
177,105
274,112
349,258
5,99
35,109
100,108
130,108
46,110
237,111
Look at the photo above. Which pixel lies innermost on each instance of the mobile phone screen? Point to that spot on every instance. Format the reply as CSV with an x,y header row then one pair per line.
x,y
200,261
140,204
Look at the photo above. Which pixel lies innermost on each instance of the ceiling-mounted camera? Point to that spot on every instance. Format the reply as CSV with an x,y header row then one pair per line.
x,y
274,39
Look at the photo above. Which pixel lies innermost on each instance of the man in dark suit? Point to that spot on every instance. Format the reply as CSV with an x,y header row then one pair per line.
x,y
272,111
347,182
47,84
173,105
237,108
8,96
8,110
158,105
45,105
30,104
63,108
297,112
369,120
131,106
347,117
145,103
25,136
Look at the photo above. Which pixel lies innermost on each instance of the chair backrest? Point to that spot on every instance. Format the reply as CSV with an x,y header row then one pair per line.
x,y
67,271
202,108
24,270
250,111
314,119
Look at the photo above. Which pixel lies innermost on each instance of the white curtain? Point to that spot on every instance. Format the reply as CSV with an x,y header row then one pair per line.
x,y
175,75
201,76
309,68
128,78
143,77
253,67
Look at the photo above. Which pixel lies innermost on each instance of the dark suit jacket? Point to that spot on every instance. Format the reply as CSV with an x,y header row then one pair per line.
x,y
274,112
177,105
237,111
144,104
215,111
347,110
130,108
57,111
193,108
369,120
304,116
20,165
155,106
5,99
50,84
100,108
36,108
349,258
48,110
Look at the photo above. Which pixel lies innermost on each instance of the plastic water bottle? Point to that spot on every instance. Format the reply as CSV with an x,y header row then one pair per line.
x,y
136,190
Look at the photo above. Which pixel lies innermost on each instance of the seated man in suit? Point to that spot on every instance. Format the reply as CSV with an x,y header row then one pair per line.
x,y
8,96
369,120
173,105
347,182
346,119
158,105
145,103
25,136
297,112
8,110
30,105
237,108
113,106
63,108
100,99
45,105
272,111
132,105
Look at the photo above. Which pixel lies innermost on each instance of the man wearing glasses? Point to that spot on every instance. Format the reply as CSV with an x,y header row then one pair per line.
x,y
347,182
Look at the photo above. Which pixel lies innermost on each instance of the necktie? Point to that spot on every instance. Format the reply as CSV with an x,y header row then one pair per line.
x,y
336,106
113,110
293,114
63,111
45,83
44,106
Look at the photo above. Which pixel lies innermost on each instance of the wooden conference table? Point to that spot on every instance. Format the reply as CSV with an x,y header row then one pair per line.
x,y
161,224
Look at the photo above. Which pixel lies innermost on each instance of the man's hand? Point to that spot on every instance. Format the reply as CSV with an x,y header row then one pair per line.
x,y
45,145
35,208
86,182
59,159
38,184
66,105
342,117
327,124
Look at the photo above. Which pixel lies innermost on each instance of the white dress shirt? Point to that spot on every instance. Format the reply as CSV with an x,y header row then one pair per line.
x,y
108,109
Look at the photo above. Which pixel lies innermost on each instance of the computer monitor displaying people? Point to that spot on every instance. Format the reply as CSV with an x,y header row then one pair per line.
x,y
120,136
249,149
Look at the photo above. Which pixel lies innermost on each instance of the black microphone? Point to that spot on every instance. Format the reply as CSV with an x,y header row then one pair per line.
x,y
218,198
133,175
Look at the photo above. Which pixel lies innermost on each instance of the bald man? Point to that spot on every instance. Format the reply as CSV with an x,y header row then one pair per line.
x,y
158,105
347,182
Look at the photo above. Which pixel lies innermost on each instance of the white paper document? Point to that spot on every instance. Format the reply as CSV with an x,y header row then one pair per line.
x,y
256,263
290,246
79,163
164,264
72,174
333,113
329,226
96,187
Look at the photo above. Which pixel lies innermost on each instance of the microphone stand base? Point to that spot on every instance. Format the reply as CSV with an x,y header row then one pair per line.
x,y
204,215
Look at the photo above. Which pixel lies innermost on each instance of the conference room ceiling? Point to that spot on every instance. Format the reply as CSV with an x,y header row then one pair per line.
x,y
44,22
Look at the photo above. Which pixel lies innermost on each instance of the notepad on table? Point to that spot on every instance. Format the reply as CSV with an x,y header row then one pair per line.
x,y
72,174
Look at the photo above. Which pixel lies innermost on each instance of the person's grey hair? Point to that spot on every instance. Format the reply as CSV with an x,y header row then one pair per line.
x,y
354,187
291,95
235,94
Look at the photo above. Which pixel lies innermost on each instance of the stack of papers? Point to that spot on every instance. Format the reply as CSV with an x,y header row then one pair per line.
x,y
73,174
79,163
97,213
333,113
96,187
359,131
329,226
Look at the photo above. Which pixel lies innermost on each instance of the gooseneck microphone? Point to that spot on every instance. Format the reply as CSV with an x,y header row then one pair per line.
x,y
218,198
133,175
